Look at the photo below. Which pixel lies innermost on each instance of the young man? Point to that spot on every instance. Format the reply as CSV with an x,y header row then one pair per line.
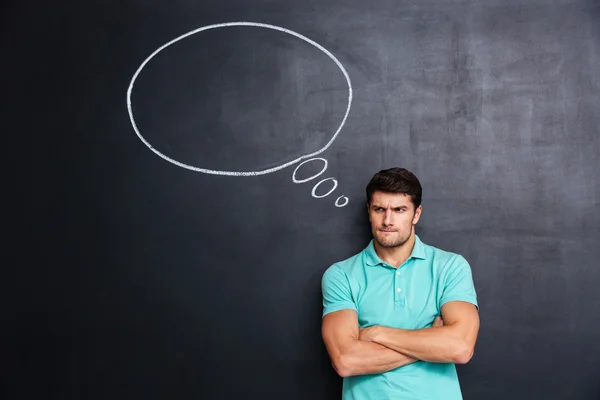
x,y
400,314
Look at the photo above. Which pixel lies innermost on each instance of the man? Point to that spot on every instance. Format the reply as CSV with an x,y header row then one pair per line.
x,y
400,314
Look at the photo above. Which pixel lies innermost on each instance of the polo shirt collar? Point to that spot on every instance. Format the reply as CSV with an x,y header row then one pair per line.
x,y
372,258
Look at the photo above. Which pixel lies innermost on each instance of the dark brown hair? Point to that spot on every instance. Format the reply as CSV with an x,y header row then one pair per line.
x,y
396,180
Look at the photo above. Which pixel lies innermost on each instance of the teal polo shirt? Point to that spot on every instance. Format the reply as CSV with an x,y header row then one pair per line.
x,y
409,297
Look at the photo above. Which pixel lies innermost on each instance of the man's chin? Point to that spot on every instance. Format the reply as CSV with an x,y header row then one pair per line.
x,y
389,243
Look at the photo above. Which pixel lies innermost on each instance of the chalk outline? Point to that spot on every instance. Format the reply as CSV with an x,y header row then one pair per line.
x,y
341,205
312,177
314,189
236,173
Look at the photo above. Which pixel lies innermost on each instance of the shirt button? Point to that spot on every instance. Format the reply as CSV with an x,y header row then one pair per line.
x,y
398,290
397,272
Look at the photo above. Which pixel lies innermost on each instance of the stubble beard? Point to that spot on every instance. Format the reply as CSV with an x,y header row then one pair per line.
x,y
391,243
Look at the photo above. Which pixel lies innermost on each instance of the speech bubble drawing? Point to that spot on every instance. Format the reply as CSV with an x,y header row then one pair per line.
x,y
307,157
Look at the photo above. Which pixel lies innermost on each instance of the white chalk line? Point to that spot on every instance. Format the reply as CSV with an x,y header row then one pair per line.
x,y
310,177
238,173
314,189
338,199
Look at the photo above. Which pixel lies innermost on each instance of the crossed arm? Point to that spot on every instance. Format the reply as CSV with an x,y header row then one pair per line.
x,y
377,349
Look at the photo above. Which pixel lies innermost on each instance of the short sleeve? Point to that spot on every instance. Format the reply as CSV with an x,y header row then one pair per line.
x,y
458,283
336,291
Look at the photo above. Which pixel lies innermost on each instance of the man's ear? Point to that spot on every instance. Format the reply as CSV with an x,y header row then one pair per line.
x,y
417,215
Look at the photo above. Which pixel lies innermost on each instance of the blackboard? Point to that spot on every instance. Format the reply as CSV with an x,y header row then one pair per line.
x,y
180,212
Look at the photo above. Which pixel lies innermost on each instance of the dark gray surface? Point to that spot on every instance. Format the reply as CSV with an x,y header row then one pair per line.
x,y
146,280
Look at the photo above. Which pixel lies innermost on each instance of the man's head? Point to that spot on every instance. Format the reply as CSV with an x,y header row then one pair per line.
x,y
394,205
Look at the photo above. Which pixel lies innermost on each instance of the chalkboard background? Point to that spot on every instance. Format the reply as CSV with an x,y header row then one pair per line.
x,y
144,279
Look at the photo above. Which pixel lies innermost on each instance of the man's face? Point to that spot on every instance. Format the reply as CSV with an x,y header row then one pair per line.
x,y
392,217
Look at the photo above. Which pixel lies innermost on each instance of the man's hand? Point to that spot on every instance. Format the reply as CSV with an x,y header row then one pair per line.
x,y
438,322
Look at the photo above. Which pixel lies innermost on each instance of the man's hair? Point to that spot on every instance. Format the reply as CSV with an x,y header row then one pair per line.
x,y
396,180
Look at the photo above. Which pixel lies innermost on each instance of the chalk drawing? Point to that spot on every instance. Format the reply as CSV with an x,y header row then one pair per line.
x,y
314,189
338,204
310,177
245,173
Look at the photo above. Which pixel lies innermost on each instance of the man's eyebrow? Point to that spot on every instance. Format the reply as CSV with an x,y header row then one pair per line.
x,y
392,207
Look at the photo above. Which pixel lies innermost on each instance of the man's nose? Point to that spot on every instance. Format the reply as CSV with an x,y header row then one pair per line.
x,y
387,220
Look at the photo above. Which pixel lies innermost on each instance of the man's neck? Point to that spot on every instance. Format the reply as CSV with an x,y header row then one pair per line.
x,y
396,256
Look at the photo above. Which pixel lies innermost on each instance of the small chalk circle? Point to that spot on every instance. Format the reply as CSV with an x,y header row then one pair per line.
x,y
337,204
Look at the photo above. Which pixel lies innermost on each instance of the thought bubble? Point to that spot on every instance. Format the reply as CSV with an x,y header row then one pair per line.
x,y
307,157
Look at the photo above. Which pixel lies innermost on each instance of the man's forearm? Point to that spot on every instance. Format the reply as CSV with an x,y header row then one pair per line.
x,y
364,358
439,344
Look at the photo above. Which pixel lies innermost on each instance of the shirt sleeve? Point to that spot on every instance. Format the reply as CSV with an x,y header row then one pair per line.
x,y
337,294
458,284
